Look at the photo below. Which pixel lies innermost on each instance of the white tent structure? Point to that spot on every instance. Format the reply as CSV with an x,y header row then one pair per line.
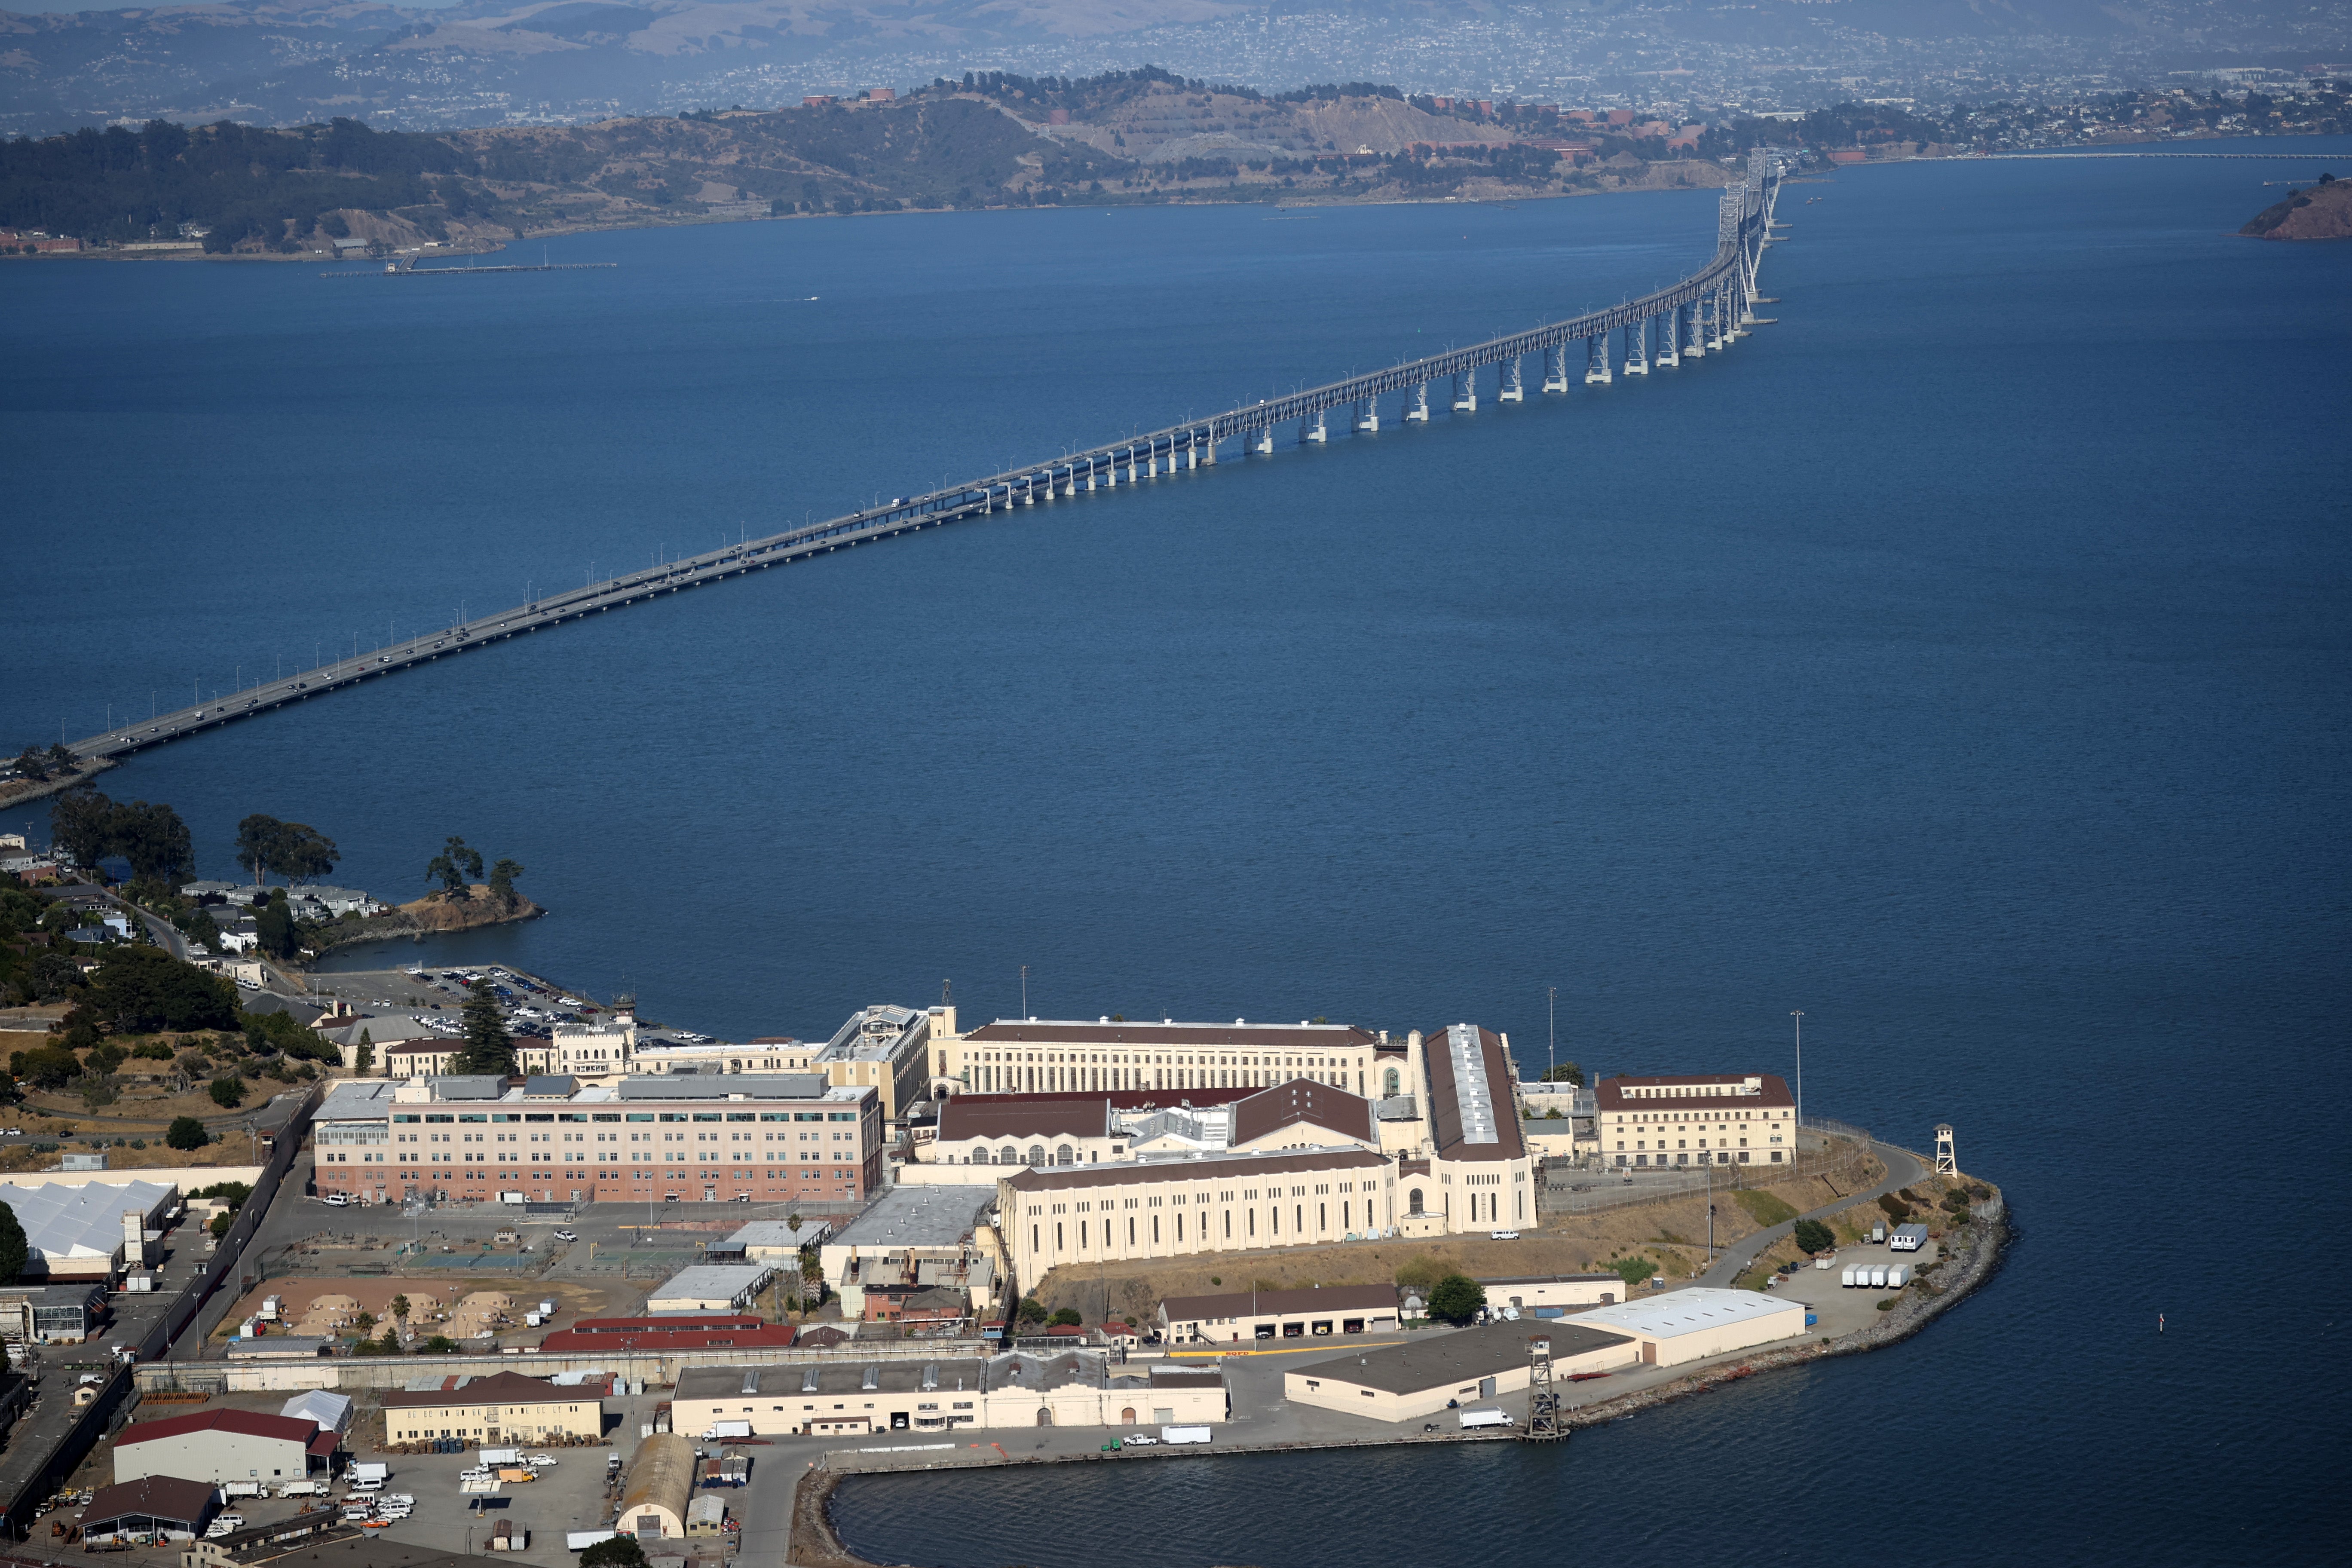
x,y
332,1412
77,1232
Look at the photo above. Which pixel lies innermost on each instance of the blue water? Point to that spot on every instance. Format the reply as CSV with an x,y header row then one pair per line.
x,y
1962,660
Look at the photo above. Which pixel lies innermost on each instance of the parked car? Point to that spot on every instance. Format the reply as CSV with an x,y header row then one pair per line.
x,y
335,1200
567,1236
1140,1440
1503,1236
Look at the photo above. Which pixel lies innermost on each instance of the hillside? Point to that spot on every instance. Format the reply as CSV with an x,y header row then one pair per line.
x,y
990,141
2323,211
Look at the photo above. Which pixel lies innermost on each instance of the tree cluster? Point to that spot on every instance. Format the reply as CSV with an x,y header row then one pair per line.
x,y
90,827
294,850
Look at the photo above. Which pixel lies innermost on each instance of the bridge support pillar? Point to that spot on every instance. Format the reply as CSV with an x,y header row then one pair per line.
x,y
1556,370
1695,338
1263,444
1315,432
1511,391
1596,359
1090,476
1417,411
1029,491
1368,414
1465,392
1209,456
1637,347
1670,338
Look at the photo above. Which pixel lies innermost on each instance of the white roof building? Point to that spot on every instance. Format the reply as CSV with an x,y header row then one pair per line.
x,y
79,1231
709,1288
332,1412
1691,1325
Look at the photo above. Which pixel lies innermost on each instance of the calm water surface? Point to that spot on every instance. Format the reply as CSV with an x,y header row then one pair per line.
x,y
1962,660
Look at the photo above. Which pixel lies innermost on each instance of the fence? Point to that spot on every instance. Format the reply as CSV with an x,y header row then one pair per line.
x,y
115,1399
1843,1157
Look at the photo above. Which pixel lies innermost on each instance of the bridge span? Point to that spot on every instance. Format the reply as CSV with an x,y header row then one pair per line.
x,y
1704,313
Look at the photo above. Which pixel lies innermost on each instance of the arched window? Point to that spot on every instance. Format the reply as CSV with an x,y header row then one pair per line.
x,y
1036,1154
1065,1155
1413,1203
1389,1084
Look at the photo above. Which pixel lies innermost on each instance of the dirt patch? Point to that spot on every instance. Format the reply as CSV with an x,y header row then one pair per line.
x,y
432,915
445,1304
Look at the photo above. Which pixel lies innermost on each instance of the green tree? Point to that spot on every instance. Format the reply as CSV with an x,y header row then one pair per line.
x,y
1456,1299
186,1132
455,868
399,1308
439,1344
1812,1236
275,926
142,990
1896,1209
46,1066
1030,1310
294,850
620,1552
154,840
488,1048
1566,1072
1068,1317
363,1060
228,1092
198,925
12,1245
502,876
221,1222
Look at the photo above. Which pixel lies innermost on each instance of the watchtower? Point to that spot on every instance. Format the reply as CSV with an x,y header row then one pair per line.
x,y
1947,1164
1543,1397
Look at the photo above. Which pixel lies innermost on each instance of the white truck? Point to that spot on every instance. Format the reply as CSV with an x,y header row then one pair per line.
x,y
722,1430
1472,1420
1175,1435
582,1540
243,1489
303,1488
379,1474
492,1458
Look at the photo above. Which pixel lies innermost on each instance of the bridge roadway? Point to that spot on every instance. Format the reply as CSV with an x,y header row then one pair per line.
x,y
1702,313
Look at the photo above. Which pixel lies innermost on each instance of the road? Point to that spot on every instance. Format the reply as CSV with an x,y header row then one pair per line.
x,y
1902,1170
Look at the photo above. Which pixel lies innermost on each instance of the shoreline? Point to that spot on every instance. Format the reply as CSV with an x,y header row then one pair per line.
x,y
813,1543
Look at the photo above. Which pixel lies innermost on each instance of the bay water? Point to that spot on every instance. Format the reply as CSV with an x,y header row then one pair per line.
x,y
1961,658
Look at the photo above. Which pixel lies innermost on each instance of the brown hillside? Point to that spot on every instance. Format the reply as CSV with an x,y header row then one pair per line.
x,y
2319,212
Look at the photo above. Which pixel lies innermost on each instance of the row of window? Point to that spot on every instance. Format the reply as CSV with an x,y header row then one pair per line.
x,y
536,1116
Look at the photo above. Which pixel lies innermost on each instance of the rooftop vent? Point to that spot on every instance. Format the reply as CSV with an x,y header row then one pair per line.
x,y
751,1380
873,1379
931,1376
808,1380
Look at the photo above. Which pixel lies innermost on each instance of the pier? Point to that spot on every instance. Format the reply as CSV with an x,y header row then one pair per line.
x,y
1706,312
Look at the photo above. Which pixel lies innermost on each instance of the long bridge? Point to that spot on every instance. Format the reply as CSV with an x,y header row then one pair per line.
x,y
1704,313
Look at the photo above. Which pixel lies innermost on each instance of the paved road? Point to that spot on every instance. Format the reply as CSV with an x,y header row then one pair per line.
x,y
1902,1170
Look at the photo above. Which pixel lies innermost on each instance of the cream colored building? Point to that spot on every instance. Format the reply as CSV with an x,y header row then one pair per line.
x,y
503,1407
1175,1208
593,1053
1060,1056
659,1489
1692,1325
1723,1120
849,1398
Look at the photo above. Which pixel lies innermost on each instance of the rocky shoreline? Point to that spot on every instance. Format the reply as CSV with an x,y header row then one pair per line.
x,y
1968,1260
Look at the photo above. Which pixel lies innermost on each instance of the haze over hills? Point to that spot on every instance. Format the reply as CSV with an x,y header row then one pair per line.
x,y
488,62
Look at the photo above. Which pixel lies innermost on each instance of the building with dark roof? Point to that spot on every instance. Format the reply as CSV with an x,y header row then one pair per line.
x,y
216,1446
1246,1316
1303,1113
1471,1367
1034,1057
168,1505
1723,1118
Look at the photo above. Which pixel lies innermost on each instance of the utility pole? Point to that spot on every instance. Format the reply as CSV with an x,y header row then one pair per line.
x,y
1551,1029
1025,991
1801,1080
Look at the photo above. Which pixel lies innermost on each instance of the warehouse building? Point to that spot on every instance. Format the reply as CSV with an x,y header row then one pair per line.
x,y
1691,1325
1076,1388
216,1446
1252,1315
1408,1382
503,1407
709,1288
167,1506
1550,1295
87,1231
660,1488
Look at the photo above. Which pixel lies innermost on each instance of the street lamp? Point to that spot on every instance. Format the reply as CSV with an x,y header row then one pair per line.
x,y
1798,1148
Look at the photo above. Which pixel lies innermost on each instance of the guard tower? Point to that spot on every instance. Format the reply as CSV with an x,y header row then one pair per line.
x,y
1543,1399
1945,1163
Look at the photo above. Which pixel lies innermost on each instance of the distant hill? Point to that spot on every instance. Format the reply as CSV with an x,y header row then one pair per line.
x,y
2323,211
1125,138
